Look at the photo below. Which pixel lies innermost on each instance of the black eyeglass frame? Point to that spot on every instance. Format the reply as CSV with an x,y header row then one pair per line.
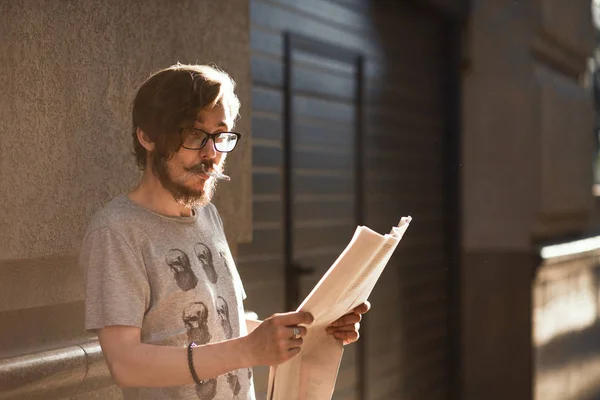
x,y
210,136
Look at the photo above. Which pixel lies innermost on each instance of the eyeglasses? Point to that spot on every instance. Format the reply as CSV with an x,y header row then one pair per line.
x,y
196,139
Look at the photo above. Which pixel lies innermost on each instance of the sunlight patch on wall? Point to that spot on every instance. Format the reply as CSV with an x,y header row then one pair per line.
x,y
564,305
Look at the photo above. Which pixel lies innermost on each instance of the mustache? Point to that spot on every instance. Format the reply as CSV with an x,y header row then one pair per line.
x,y
210,169
202,168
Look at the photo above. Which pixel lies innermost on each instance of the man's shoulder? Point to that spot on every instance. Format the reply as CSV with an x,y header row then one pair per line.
x,y
210,212
210,209
115,215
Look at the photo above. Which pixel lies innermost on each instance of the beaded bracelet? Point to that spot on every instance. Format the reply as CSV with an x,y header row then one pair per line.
x,y
191,364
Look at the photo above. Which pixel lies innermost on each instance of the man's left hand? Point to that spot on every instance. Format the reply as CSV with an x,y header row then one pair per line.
x,y
346,328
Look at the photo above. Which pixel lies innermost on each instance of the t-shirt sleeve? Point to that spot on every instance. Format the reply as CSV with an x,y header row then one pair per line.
x,y
117,291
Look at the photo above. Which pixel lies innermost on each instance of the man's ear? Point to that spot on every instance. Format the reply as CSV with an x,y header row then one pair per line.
x,y
145,140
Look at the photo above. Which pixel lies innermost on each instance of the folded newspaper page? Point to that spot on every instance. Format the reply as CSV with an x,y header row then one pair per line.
x,y
348,283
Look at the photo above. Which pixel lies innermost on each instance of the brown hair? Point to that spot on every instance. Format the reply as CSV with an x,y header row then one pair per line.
x,y
171,99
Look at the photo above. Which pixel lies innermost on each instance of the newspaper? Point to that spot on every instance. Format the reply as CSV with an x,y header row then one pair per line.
x,y
348,283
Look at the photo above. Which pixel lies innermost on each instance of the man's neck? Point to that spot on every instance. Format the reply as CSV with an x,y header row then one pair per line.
x,y
152,195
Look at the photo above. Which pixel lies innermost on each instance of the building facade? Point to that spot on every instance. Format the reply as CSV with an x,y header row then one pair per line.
x,y
474,118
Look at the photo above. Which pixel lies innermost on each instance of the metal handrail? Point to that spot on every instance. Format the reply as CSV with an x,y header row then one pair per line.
x,y
54,374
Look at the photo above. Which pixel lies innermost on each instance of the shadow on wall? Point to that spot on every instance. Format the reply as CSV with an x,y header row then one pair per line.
x,y
566,331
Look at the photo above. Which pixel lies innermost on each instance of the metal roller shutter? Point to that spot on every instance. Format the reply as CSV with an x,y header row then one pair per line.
x,y
406,337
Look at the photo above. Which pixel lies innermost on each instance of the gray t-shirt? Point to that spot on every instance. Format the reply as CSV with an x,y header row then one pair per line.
x,y
173,277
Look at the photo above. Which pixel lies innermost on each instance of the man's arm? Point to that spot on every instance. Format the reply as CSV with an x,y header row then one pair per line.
x,y
136,364
133,363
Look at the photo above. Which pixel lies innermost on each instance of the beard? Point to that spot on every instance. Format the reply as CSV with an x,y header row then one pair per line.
x,y
184,195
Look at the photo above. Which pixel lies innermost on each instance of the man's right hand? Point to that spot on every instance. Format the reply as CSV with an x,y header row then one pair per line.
x,y
272,342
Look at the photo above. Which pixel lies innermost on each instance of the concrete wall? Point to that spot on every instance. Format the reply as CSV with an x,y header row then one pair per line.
x,y
68,72
526,172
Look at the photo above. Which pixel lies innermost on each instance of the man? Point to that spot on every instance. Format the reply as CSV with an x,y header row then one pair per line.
x,y
162,290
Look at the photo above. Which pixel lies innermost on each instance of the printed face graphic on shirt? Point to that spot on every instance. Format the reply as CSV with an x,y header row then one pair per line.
x,y
206,260
225,263
179,262
207,390
195,319
234,384
223,312
224,259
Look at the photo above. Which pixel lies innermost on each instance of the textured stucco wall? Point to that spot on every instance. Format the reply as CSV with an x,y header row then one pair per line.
x,y
68,72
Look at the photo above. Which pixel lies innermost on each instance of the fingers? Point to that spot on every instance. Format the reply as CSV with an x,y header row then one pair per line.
x,y
348,319
293,352
273,342
287,349
354,316
295,344
344,328
293,318
347,337
363,308
290,331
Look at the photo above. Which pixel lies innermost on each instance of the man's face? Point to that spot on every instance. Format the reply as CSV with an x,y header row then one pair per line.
x,y
182,175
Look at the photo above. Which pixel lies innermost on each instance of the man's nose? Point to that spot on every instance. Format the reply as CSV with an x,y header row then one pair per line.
x,y
208,151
